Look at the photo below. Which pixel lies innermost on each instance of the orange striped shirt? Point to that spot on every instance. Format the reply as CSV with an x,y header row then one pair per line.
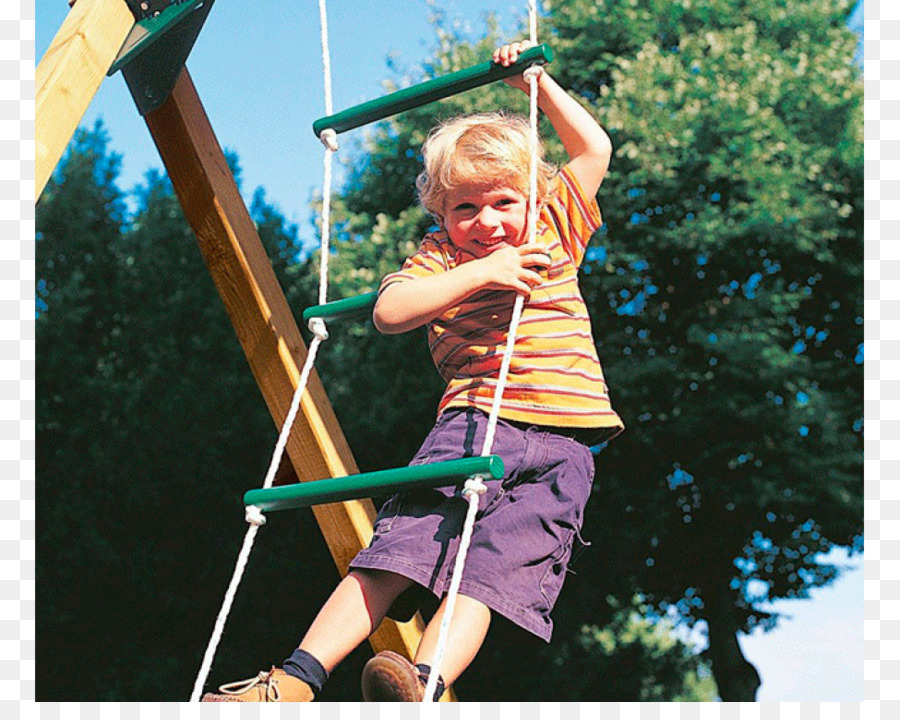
x,y
555,377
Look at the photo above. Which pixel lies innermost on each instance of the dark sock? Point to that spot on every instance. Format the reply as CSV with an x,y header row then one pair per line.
x,y
304,666
424,674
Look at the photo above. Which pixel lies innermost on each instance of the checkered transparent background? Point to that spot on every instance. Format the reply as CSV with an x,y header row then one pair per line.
x,y
882,397
16,354
882,337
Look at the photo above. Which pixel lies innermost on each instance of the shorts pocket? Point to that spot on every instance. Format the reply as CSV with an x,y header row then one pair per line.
x,y
389,513
397,504
555,572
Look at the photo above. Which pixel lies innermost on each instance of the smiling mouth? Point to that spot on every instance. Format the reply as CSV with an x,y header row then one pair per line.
x,y
491,242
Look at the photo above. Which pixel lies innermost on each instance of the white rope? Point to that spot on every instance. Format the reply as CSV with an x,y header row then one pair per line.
x,y
329,138
223,613
326,224
326,56
320,333
532,21
256,519
474,487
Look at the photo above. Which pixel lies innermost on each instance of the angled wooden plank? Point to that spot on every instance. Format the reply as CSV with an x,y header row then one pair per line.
x,y
69,74
265,325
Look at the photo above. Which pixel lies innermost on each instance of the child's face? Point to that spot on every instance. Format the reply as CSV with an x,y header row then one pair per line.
x,y
481,219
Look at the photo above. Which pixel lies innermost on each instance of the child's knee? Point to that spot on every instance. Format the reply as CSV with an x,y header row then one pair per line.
x,y
383,582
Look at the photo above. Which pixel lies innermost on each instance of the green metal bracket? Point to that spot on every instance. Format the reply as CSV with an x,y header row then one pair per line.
x,y
382,482
429,91
347,308
154,53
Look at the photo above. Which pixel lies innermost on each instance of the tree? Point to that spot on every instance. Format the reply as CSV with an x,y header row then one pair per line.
x,y
627,653
75,251
725,290
726,295
149,429
732,265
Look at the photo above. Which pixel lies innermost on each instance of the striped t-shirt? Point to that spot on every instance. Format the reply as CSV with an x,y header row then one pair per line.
x,y
554,377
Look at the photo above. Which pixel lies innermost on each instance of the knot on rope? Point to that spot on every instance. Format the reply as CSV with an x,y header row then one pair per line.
x,y
329,139
317,327
474,485
533,72
254,515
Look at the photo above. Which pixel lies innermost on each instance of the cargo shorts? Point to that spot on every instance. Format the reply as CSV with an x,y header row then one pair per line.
x,y
524,531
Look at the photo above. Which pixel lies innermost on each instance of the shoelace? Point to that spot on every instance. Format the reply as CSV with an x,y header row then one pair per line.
x,y
239,687
424,674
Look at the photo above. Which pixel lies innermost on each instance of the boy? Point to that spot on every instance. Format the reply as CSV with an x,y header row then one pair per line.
x,y
462,283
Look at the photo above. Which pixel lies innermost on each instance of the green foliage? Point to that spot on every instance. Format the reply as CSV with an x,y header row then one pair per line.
x,y
732,262
149,429
666,667
629,654
725,289
726,295
374,381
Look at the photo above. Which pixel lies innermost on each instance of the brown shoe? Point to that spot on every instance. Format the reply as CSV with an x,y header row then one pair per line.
x,y
272,686
389,677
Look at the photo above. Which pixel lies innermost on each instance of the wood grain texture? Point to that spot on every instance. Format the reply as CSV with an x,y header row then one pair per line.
x,y
69,74
265,326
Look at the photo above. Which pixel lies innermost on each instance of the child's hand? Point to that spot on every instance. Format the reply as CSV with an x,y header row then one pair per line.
x,y
516,268
506,55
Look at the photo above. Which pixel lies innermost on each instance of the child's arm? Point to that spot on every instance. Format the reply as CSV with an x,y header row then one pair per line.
x,y
586,143
407,304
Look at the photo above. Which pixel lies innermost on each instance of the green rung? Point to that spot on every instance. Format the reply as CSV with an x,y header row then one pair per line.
x,y
429,91
382,482
346,308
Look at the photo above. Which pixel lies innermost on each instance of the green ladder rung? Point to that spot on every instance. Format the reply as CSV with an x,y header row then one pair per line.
x,y
429,91
381,482
345,308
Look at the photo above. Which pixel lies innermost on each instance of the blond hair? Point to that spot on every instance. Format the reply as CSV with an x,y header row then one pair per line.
x,y
492,149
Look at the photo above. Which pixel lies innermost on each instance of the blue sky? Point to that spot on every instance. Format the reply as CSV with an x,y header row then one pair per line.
x,y
257,68
816,652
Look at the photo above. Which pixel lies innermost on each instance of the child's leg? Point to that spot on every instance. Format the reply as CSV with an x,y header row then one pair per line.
x,y
468,629
391,677
355,609
352,613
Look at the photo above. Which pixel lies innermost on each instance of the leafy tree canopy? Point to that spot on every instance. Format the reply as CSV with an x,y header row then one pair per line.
x,y
726,294
725,289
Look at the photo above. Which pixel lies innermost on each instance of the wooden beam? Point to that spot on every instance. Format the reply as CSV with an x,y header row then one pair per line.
x,y
69,74
265,325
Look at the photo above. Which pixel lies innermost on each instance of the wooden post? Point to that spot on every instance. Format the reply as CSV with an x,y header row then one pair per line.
x,y
70,73
264,324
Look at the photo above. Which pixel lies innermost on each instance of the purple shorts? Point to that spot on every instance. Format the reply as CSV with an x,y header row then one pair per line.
x,y
524,530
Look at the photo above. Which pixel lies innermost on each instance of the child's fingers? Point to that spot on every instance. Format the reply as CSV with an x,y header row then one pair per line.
x,y
528,281
525,288
507,54
534,279
534,254
516,49
541,258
